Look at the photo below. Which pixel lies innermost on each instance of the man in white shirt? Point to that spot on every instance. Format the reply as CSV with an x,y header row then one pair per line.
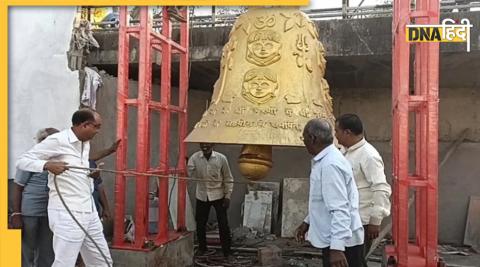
x,y
333,222
368,170
71,147
216,190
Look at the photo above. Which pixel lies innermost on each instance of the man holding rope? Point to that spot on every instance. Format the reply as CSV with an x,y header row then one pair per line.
x,y
71,191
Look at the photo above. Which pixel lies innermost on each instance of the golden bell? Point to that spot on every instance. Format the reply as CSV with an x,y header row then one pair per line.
x,y
271,83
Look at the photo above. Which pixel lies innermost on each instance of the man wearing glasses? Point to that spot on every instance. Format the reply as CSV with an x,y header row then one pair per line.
x,y
71,147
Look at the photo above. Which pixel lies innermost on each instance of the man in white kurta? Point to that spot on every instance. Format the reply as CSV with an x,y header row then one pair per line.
x,y
369,174
71,147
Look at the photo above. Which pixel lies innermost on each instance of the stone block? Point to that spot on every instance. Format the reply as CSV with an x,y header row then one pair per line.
x,y
294,203
258,211
178,252
275,188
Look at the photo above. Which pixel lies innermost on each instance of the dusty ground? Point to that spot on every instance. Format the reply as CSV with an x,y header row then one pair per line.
x,y
298,255
473,260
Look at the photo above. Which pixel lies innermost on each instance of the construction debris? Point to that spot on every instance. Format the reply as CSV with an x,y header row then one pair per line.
x,y
80,45
450,250
220,261
296,263
270,255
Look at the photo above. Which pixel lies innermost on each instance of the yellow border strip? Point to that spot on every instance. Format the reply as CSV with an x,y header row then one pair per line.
x,y
9,240
160,2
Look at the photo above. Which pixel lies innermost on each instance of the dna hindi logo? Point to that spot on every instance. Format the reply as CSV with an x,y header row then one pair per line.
x,y
448,32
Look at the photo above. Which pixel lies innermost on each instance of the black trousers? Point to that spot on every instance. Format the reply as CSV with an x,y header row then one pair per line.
x,y
354,256
201,216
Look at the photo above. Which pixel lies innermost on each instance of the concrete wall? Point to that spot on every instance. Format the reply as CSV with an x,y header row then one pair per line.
x,y
358,52
43,92
340,37
458,179
458,110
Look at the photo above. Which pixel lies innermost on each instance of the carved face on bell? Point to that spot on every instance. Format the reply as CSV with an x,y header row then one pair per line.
x,y
259,86
263,47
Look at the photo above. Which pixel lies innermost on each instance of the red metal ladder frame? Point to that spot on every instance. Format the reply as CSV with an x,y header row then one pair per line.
x,y
423,103
163,43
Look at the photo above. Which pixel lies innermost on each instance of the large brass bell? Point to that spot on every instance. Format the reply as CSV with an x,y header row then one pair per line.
x,y
271,83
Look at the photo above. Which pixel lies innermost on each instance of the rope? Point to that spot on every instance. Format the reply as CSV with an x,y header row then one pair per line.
x,y
135,173
126,173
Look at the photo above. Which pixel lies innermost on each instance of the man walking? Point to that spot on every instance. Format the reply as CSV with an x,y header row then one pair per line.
x,y
333,222
71,147
368,170
215,190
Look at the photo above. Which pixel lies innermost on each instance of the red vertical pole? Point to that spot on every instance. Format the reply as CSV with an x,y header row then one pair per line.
x,y
143,123
421,149
424,103
144,104
400,109
182,120
432,140
123,62
395,54
165,86
420,132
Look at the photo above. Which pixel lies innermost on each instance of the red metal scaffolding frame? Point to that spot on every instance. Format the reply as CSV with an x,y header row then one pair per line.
x,y
149,40
422,104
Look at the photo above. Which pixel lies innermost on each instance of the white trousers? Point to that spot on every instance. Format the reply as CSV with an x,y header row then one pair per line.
x,y
69,239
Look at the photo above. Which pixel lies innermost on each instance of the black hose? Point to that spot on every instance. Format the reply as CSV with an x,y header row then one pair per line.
x,y
77,222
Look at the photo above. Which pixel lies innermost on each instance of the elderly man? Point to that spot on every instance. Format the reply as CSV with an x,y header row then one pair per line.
x,y
369,174
55,154
333,222
30,213
215,190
